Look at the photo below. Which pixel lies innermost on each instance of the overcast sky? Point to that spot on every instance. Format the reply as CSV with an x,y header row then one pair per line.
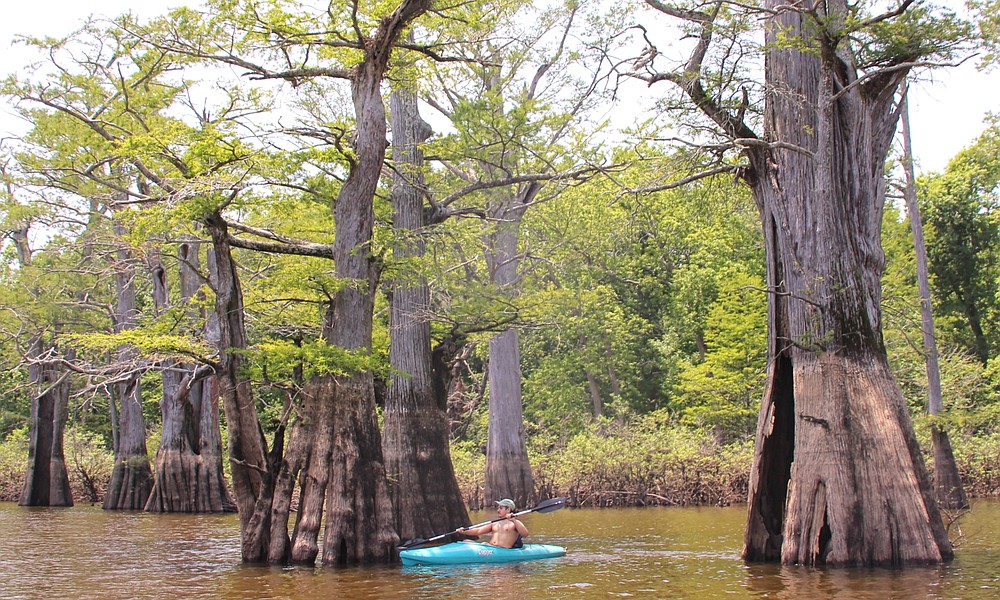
x,y
946,114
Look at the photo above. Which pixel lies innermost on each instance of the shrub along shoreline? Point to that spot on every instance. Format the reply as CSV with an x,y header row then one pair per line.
x,y
603,466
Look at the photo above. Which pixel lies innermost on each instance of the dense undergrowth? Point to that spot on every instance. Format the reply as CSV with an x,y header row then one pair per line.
x,y
644,464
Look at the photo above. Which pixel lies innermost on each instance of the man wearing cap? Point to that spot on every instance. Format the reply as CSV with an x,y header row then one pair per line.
x,y
507,531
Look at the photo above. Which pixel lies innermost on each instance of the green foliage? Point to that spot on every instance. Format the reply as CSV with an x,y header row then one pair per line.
x,y
15,403
13,462
722,393
961,208
987,17
152,345
650,462
286,360
89,464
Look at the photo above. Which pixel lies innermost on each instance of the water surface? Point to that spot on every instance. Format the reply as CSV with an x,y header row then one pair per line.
x,y
85,552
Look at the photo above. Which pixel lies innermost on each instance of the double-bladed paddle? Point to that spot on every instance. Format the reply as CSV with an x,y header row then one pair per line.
x,y
544,506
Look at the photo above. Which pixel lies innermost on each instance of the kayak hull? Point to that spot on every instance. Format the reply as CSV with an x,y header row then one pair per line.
x,y
461,553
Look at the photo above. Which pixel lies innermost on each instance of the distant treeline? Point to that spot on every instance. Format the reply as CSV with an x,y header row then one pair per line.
x,y
603,466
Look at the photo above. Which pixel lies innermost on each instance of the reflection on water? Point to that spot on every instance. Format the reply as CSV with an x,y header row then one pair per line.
x,y
84,552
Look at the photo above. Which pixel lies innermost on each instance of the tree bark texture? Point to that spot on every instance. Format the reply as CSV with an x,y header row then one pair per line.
x,y
336,448
508,471
415,441
251,466
359,526
837,475
46,482
188,465
132,477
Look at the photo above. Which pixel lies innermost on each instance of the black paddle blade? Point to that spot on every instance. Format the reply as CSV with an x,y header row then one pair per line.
x,y
438,540
410,544
549,505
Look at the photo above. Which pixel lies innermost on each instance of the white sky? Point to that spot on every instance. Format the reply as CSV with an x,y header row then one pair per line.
x,y
946,114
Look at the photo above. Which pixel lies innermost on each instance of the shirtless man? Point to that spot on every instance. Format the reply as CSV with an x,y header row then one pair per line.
x,y
506,532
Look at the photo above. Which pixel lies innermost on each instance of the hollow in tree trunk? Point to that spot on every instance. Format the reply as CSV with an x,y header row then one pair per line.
x,y
837,475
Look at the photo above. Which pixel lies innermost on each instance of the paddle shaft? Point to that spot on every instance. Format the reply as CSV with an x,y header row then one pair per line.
x,y
544,506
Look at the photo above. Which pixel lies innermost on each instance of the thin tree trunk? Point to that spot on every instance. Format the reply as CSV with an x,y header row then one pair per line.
x,y
597,403
947,480
415,440
837,476
251,465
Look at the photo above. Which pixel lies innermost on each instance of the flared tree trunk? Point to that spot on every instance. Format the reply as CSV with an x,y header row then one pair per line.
x,y
837,475
188,465
46,482
335,450
189,477
415,439
360,523
508,471
132,477
336,444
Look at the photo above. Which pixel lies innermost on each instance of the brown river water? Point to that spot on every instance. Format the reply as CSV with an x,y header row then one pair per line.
x,y
85,552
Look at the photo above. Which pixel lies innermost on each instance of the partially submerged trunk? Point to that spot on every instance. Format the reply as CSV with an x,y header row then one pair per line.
x,y
132,477
189,475
336,444
415,440
837,476
508,471
251,465
334,450
46,482
359,527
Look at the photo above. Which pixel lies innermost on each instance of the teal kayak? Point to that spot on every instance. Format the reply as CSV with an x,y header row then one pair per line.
x,y
459,553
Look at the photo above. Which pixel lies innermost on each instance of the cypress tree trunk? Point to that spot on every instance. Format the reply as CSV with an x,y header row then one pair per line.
x,y
837,476
359,527
335,446
251,465
415,441
46,482
132,477
189,476
508,471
